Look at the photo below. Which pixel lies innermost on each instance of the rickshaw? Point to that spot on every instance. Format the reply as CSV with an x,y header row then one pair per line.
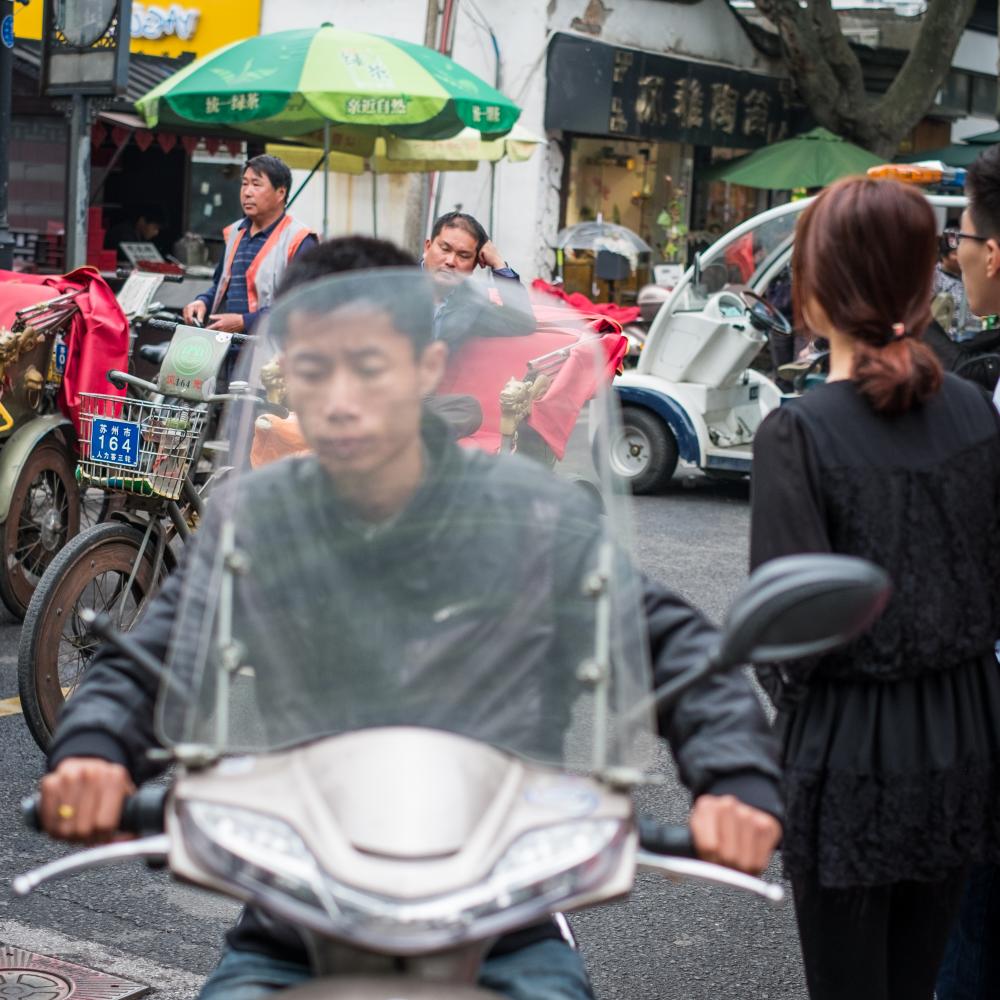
x,y
694,398
46,355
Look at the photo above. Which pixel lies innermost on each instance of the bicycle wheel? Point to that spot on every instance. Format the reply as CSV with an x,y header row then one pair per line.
x,y
56,647
44,514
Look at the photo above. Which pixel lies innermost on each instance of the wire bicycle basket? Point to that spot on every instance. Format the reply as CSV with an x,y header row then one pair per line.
x,y
137,446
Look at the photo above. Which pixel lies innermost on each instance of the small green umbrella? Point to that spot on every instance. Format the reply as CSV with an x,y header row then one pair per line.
x,y
958,154
811,160
293,83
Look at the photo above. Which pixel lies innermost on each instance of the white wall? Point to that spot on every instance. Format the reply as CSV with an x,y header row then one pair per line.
x,y
527,197
707,31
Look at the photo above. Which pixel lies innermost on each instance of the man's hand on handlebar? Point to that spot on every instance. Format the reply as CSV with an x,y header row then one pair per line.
x,y
226,322
82,799
194,313
728,832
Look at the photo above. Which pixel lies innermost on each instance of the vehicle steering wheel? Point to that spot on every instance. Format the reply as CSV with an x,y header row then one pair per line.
x,y
763,315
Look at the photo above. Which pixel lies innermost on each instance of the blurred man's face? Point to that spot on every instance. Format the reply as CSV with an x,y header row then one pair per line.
x,y
979,260
951,265
147,230
451,256
357,386
259,198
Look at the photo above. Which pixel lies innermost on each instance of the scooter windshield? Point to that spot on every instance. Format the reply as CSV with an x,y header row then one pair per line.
x,y
423,540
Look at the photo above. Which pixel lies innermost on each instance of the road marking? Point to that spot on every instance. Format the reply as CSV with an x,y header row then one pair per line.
x,y
10,706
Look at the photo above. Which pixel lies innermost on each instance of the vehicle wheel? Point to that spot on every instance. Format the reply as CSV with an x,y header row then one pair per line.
x,y
44,515
91,571
643,451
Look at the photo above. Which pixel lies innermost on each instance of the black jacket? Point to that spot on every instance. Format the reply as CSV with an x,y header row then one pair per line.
x,y
475,309
464,533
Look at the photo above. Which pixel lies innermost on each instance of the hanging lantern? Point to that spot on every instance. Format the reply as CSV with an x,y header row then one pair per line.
x,y
144,139
234,146
190,143
212,144
166,141
98,133
120,135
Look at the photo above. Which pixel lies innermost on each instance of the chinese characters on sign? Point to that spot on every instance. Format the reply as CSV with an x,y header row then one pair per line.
x,y
153,22
115,442
661,98
237,102
491,113
376,106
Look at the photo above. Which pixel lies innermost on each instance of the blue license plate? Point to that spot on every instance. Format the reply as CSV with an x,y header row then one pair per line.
x,y
115,442
62,353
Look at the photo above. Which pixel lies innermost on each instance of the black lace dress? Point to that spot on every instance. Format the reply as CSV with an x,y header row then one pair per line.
x,y
892,744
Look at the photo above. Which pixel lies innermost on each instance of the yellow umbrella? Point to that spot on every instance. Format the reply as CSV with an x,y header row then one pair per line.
x,y
391,155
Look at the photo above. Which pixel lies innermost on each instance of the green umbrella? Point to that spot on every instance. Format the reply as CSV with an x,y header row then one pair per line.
x,y
958,154
293,83
811,160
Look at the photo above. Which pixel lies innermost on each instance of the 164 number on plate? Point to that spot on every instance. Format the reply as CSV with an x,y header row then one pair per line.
x,y
115,442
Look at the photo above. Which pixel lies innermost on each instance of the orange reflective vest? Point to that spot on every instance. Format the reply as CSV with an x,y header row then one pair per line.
x,y
268,266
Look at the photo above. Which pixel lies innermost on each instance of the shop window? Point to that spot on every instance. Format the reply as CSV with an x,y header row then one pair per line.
x,y
215,194
984,96
643,186
954,93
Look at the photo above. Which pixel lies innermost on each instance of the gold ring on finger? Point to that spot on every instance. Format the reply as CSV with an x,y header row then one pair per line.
x,y
66,811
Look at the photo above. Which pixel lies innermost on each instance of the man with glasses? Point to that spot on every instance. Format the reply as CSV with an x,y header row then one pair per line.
x,y
971,966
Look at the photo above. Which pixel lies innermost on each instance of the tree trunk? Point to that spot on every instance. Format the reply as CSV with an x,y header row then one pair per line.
x,y
828,73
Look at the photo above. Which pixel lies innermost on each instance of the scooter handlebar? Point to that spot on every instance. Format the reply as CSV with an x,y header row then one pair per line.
x,y
666,839
142,813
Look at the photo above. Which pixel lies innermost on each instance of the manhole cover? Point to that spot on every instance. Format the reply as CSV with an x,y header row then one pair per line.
x,y
25,975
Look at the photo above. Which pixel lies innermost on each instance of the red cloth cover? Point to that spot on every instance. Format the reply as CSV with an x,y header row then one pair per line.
x,y
580,302
482,366
98,335
740,255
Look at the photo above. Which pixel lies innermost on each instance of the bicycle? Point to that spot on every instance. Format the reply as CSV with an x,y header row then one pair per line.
x,y
145,450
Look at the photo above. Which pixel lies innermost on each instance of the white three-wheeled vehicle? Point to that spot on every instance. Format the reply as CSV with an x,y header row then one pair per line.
x,y
693,398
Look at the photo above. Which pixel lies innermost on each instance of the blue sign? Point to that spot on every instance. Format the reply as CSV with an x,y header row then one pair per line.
x,y
115,442
62,352
7,31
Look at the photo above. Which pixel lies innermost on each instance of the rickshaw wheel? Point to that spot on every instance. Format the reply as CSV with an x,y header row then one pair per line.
x,y
56,646
44,514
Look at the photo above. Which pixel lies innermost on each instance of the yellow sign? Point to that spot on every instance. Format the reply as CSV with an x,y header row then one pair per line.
x,y
168,29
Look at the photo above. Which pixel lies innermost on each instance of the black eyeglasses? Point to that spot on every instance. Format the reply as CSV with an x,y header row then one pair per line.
x,y
954,236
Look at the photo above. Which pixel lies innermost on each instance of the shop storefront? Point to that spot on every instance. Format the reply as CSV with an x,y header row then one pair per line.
x,y
188,181
640,129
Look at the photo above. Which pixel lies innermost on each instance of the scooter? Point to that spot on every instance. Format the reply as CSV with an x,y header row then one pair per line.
x,y
402,852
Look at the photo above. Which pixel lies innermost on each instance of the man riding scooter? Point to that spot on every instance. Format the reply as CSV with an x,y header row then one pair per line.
x,y
413,558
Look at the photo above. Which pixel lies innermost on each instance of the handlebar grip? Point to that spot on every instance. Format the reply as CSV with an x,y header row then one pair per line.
x,y
118,383
662,838
142,813
31,812
163,324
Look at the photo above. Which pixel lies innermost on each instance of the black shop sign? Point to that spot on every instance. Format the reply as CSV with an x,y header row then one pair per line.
x,y
600,89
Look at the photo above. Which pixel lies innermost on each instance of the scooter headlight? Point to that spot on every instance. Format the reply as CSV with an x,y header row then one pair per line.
x,y
256,851
266,857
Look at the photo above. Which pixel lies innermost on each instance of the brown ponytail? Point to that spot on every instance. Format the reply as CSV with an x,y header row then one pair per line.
x,y
865,252
898,376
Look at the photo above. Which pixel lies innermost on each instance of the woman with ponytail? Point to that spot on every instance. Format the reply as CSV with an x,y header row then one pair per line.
x,y
892,744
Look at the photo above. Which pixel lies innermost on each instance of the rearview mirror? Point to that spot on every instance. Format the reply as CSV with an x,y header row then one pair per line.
x,y
802,605
789,608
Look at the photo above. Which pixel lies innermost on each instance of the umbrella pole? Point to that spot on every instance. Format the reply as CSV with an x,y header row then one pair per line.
x,y
374,203
326,178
